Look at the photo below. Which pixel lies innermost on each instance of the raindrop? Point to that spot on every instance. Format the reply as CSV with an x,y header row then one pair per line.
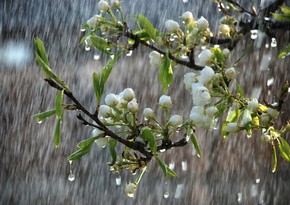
x,y
71,177
184,165
171,165
166,195
273,43
254,34
184,56
178,191
270,81
112,56
162,150
118,181
184,1
267,45
239,197
83,30
258,180
87,47
266,18
39,122
70,162
129,53
288,90
96,57
254,190
249,136
262,196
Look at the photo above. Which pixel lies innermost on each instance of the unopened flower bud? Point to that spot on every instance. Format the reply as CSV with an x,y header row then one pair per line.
x,y
232,127
111,100
148,113
253,105
202,23
273,113
231,73
206,75
103,6
165,102
155,59
171,26
105,111
205,57
187,17
224,29
128,94
132,106
211,111
175,120
189,78
226,52
200,94
115,4
93,21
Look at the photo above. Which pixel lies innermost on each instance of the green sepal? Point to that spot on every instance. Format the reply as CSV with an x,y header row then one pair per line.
x,y
57,133
166,73
148,136
43,115
166,170
112,146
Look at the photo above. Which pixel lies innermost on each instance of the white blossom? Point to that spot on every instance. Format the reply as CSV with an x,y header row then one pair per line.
x,y
97,132
204,57
165,102
155,59
253,105
231,73
171,26
103,6
273,113
202,23
231,127
226,52
133,106
206,75
211,111
128,94
189,78
92,21
175,120
245,118
196,115
187,17
224,29
111,100
200,94
130,189
115,3
148,113
105,111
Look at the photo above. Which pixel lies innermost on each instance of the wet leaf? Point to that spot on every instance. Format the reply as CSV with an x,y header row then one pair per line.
x,y
112,146
281,17
166,170
147,26
43,115
58,104
240,90
284,149
195,144
285,10
57,133
148,136
166,73
79,153
285,52
218,54
142,35
97,87
40,50
87,142
101,44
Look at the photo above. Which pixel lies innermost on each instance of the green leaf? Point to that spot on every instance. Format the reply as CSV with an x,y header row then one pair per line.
x,y
274,156
284,52
166,170
218,54
58,104
97,87
148,136
101,44
240,90
281,17
43,115
112,146
57,133
142,35
40,50
195,143
166,74
284,149
149,28
87,142
79,153
285,10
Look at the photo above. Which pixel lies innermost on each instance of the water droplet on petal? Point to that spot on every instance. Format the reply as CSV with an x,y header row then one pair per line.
x,y
71,177
166,195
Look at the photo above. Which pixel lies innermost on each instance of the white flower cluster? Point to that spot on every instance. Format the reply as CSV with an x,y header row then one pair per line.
x,y
117,105
104,6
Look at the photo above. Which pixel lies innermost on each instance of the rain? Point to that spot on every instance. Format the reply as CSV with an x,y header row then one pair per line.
x,y
33,171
